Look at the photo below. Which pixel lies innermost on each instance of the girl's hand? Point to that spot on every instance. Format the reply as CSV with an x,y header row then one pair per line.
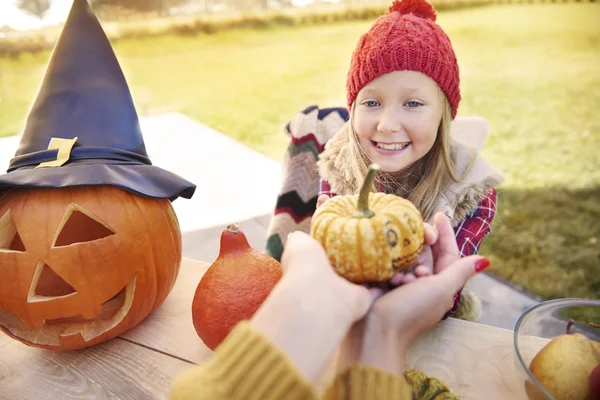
x,y
424,265
439,252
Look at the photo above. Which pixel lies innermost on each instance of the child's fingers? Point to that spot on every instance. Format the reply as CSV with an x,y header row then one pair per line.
x,y
408,278
376,293
322,199
410,275
422,270
396,279
426,257
431,234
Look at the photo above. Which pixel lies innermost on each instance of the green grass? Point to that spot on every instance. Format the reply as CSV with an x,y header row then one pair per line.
x,y
531,70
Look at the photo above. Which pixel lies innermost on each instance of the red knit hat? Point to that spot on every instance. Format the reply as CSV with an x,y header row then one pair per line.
x,y
405,38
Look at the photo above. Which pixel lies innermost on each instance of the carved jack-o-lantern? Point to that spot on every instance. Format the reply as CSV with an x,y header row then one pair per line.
x,y
82,265
89,242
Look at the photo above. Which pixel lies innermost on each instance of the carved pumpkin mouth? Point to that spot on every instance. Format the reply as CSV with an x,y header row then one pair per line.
x,y
113,312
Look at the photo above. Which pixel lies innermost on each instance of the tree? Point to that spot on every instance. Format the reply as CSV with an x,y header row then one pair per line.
x,y
37,8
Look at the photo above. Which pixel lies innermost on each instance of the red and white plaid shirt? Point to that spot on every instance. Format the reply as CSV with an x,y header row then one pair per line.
x,y
469,233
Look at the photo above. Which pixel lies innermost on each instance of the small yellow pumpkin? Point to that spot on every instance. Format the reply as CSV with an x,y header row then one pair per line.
x,y
371,236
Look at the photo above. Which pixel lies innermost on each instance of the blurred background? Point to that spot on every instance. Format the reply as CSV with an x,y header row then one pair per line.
x,y
245,67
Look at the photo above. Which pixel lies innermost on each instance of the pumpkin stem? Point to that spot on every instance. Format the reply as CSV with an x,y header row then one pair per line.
x,y
569,325
233,240
363,210
233,228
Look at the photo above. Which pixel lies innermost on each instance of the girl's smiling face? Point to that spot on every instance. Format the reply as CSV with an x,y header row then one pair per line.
x,y
396,118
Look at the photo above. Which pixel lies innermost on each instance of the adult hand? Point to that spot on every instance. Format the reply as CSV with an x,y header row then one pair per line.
x,y
311,308
400,315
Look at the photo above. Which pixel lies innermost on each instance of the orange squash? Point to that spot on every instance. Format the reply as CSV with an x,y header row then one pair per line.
x,y
233,287
82,265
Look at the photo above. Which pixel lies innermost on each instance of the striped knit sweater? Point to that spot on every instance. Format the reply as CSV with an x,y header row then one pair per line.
x,y
309,130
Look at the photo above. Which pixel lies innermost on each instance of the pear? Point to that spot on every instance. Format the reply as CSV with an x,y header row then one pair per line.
x,y
564,366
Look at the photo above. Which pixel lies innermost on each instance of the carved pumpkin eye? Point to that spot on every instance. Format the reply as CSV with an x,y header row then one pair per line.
x,y
77,226
9,237
47,284
80,226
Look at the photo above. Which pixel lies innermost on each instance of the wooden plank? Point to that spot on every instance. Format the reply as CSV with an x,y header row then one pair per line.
x,y
169,329
477,361
4,339
115,369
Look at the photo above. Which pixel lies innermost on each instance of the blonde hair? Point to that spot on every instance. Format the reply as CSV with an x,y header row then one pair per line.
x,y
423,182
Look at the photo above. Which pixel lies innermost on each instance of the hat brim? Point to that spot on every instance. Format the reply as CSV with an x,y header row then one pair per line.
x,y
144,180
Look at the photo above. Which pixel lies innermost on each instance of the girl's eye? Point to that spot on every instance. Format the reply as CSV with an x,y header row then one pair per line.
x,y
413,104
371,103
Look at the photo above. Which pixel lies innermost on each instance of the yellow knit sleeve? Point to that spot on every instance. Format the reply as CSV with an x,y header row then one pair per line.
x,y
245,366
361,382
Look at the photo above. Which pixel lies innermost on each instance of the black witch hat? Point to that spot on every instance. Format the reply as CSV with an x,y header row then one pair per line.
x,y
83,128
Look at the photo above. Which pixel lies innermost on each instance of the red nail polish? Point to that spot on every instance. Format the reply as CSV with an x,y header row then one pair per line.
x,y
481,264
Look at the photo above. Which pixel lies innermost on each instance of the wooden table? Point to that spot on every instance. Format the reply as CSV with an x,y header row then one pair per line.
x,y
475,360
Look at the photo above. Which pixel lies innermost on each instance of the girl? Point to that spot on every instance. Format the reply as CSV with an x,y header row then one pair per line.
x,y
402,94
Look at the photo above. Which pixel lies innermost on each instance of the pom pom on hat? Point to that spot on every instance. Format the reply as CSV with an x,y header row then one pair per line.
x,y
420,8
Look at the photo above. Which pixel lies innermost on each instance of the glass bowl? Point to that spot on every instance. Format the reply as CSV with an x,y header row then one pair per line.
x,y
542,323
